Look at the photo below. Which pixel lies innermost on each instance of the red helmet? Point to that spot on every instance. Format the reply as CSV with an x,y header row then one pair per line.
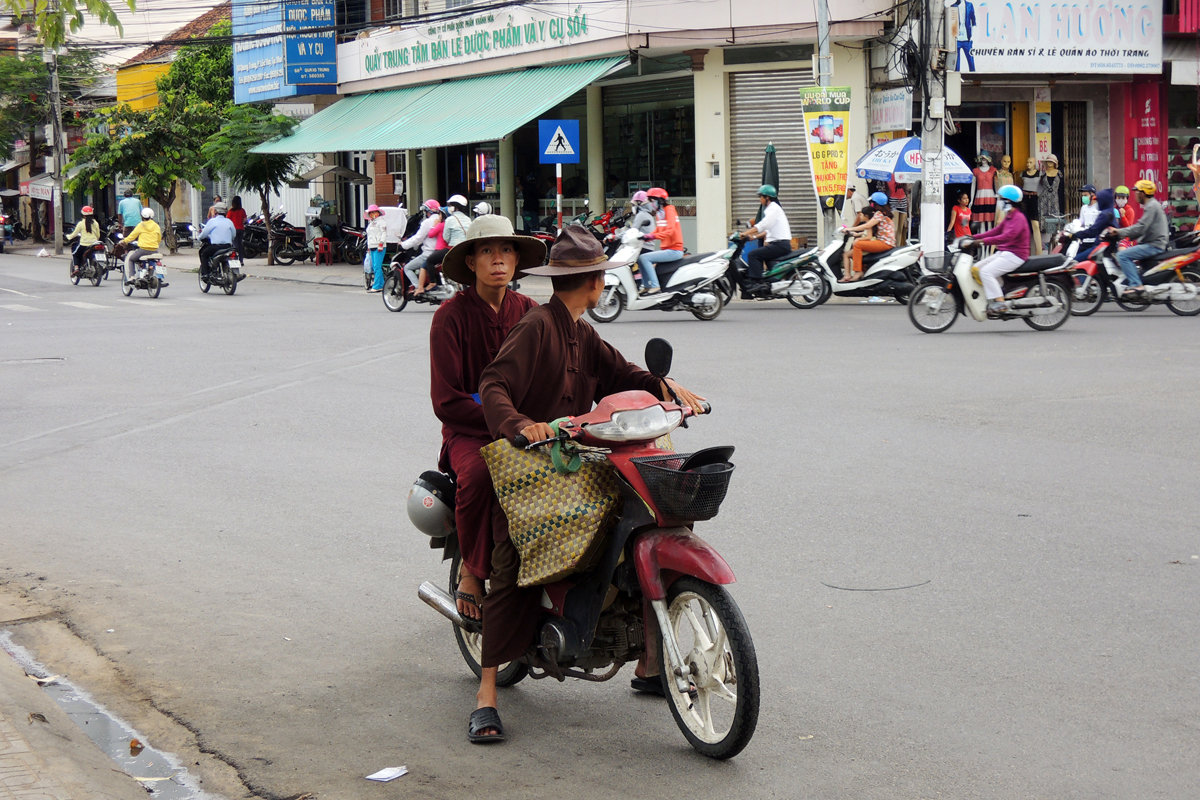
x,y
658,192
86,211
431,205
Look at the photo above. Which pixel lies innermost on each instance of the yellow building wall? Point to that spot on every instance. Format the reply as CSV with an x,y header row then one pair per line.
x,y
137,85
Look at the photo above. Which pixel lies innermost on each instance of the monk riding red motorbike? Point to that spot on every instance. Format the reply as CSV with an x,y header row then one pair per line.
x,y
654,593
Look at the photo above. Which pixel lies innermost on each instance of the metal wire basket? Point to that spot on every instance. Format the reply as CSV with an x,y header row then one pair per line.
x,y
684,489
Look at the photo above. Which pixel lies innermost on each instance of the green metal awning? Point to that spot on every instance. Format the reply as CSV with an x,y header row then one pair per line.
x,y
463,111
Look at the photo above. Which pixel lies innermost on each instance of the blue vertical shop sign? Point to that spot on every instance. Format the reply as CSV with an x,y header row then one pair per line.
x,y
260,70
310,44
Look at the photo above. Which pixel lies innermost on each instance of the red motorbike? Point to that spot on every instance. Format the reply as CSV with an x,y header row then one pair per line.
x,y
655,593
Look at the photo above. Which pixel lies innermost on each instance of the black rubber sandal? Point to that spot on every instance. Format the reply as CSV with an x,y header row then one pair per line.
x,y
481,720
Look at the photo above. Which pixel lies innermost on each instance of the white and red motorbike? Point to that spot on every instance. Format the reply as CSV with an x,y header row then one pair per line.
x,y
892,272
693,283
654,593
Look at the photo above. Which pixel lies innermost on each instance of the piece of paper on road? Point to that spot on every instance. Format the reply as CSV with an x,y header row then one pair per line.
x,y
387,774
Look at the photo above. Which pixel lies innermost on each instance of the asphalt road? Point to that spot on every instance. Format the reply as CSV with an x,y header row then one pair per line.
x,y
969,561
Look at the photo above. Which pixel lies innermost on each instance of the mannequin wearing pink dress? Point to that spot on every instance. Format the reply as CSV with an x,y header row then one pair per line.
x,y
983,200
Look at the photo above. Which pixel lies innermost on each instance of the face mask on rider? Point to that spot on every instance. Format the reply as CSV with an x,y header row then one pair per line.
x,y
1121,201
1086,199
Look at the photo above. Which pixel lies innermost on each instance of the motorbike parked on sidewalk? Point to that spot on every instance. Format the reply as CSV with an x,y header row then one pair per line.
x,y
690,284
1171,278
221,271
655,589
149,275
92,268
1038,292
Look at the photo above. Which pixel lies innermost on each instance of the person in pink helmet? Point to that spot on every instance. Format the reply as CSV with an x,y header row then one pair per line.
x,y
376,244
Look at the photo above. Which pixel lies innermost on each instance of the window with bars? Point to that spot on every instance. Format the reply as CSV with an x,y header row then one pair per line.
x,y
458,3
395,162
393,9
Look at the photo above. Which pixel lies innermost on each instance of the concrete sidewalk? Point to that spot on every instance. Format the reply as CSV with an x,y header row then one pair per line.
x,y
44,755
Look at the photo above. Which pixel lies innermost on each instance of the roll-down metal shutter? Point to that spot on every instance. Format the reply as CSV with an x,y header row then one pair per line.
x,y
764,107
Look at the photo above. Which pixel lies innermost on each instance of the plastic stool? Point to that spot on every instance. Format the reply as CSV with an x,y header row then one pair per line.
x,y
322,251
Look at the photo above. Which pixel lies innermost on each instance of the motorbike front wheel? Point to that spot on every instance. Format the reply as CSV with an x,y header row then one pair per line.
x,y
1189,307
807,289
720,711
1089,296
205,285
395,298
471,644
933,308
1049,322
611,304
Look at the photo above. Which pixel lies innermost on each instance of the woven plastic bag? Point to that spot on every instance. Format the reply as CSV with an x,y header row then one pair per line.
x,y
556,521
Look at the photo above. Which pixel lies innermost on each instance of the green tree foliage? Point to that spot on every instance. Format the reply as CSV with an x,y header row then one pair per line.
x,y
25,91
202,72
228,152
54,19
157,147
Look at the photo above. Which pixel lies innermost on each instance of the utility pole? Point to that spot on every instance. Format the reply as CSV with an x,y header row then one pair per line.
x,y
56,175
824,71
933,136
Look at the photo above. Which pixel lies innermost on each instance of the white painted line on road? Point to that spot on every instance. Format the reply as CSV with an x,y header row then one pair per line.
x,y
14,291
81,304
18,307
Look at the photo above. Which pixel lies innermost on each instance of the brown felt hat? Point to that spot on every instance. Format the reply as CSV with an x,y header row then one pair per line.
x,y
531,251
576,251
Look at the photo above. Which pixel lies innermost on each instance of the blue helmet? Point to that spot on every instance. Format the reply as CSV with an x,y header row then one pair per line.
x,y
1010,193
879,198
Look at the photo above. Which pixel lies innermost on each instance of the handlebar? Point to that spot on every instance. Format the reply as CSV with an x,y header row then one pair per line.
x,y
522,442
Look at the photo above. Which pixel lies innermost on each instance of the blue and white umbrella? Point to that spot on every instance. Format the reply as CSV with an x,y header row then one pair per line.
x,y
901,159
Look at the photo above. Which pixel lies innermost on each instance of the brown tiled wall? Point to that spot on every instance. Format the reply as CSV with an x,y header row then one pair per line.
x,y
385,188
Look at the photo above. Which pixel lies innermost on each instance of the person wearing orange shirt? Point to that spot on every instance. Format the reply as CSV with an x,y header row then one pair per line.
x,y
670,240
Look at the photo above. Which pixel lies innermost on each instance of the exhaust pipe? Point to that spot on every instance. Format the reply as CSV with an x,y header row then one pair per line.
x,y
440,601
705,301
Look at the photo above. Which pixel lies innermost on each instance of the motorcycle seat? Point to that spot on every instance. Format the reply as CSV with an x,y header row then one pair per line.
x,y
681,262
1152,260
777,261
1041,263
871,258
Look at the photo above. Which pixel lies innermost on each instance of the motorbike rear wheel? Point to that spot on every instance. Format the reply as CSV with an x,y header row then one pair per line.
x,y
933,308
719,714
153,286
395,298
1049,322
611,304
1186,308
713,312
1089,296
807,289
230,285
471,644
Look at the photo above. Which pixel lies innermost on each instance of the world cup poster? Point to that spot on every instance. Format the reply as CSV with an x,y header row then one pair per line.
x,y
827,126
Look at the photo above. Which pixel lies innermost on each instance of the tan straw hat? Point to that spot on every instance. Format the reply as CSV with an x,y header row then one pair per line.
x,y
575,251
531,251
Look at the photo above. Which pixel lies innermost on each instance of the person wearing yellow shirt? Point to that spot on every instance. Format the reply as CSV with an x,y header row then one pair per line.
x,y
144,239
88,233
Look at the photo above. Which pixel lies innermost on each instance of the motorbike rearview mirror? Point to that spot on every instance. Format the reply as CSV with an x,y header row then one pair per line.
x,y
658,357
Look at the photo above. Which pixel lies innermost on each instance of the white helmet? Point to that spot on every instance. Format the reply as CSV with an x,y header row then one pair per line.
x,y
147,213
457,200
482,208
431,504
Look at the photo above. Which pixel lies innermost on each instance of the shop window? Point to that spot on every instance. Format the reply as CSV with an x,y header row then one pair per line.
x,y
763,55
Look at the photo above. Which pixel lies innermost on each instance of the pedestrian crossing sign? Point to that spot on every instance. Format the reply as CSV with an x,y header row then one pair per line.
x,y
558,141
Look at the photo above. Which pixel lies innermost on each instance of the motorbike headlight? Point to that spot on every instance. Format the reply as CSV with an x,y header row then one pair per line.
x,y
638,425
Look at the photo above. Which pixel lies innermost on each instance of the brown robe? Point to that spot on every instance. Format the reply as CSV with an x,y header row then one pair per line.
x,y
550,366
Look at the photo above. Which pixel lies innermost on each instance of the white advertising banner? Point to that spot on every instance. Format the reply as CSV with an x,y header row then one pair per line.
x,y
1057,37
489,34
41,190
891,110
